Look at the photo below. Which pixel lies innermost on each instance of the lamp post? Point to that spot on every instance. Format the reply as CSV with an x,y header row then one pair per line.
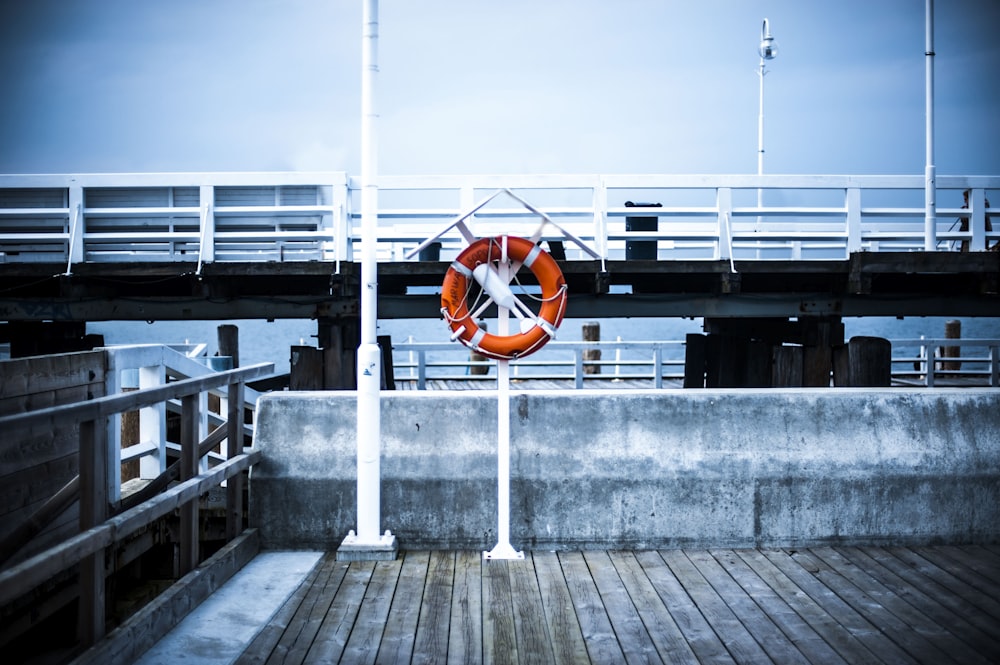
x,y
768,49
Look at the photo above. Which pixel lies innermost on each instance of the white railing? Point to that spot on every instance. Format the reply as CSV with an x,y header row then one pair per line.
x,y
209,218
145,366
918,362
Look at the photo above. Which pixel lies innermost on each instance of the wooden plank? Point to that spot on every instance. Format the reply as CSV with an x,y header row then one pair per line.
x,y
633,638
982,562
854,622
727,626
533,643
499,636
706,645
565,633
363,645
876,603
666,636
465,643
431,638
27,449
840,639
969,592
294,642
599,636
907,603
796,632
401,626
333,633
929,598
45,374
264,643
32,486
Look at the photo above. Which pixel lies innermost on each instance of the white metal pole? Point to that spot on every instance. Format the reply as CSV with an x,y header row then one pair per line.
x,y
760,132
930,175
503,548
369,359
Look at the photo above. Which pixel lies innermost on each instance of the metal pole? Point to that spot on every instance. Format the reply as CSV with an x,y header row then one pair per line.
x,y
503,548
368,543
930,174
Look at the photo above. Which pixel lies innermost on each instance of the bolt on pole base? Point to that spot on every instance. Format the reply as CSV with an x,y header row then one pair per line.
x,y
385,548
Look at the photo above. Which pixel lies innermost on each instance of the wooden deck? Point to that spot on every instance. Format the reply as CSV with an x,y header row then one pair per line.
x,y
818,605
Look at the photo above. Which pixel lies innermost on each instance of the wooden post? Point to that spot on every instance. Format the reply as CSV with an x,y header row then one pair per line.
x,y
339,339
190,418
952,330
234,447
758,368
229,343
306,368
694,360
869,362
93,511
817,359
591,333
786,370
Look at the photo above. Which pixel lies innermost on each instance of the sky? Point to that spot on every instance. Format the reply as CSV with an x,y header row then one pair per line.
x,y
521,86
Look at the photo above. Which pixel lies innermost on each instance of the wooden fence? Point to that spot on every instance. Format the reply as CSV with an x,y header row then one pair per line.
x,y
103,523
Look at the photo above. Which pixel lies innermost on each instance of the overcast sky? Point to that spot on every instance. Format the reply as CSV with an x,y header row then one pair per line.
x,y
521,86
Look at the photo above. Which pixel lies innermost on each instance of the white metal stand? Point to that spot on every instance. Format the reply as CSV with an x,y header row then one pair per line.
x,y
503,548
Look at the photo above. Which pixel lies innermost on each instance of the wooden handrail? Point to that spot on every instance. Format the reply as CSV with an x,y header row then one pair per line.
x,y
102,407
28,574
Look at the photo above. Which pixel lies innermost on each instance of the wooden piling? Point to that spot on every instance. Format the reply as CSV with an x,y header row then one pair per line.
x,y
591,333
229,342
695,349
952,330
869,362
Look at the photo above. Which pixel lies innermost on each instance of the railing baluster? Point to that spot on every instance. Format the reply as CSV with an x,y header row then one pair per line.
x,y
190,420
93,511
234,447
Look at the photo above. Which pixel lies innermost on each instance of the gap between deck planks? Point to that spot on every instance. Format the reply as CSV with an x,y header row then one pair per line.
x,y
818,605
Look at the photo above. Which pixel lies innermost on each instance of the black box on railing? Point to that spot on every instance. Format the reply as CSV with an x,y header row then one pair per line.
x,y
641,249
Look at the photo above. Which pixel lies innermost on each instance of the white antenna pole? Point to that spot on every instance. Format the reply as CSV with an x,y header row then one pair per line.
x,y
930,171
369,543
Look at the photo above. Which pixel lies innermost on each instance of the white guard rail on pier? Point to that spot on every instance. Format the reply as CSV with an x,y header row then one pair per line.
x,y
144,366
915,362
211,217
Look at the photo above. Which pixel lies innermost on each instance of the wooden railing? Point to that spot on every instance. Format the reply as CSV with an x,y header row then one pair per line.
x,y
217,217
917,362
99,527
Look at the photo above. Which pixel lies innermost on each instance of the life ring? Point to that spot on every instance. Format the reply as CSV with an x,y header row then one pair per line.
x,y
483,254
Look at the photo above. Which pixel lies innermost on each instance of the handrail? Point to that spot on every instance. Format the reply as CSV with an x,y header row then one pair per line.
x,y
24,576
246,217
103,407
416,366
95,458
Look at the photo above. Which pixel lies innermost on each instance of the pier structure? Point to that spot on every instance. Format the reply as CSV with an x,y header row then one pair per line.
x,y
217,246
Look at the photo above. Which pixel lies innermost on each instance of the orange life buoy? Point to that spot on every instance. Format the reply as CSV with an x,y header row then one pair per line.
x,y
483,254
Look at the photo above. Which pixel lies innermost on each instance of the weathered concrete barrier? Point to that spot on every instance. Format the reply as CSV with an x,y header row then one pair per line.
x,y
641,469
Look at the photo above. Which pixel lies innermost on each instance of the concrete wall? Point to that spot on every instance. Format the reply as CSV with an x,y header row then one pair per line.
x,y
640,469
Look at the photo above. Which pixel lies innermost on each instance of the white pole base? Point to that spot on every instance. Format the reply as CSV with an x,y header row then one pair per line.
x,y
384,548
503,551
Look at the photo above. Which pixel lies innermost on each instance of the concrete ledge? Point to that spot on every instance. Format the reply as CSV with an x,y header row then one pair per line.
x,y
129,641
641,469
